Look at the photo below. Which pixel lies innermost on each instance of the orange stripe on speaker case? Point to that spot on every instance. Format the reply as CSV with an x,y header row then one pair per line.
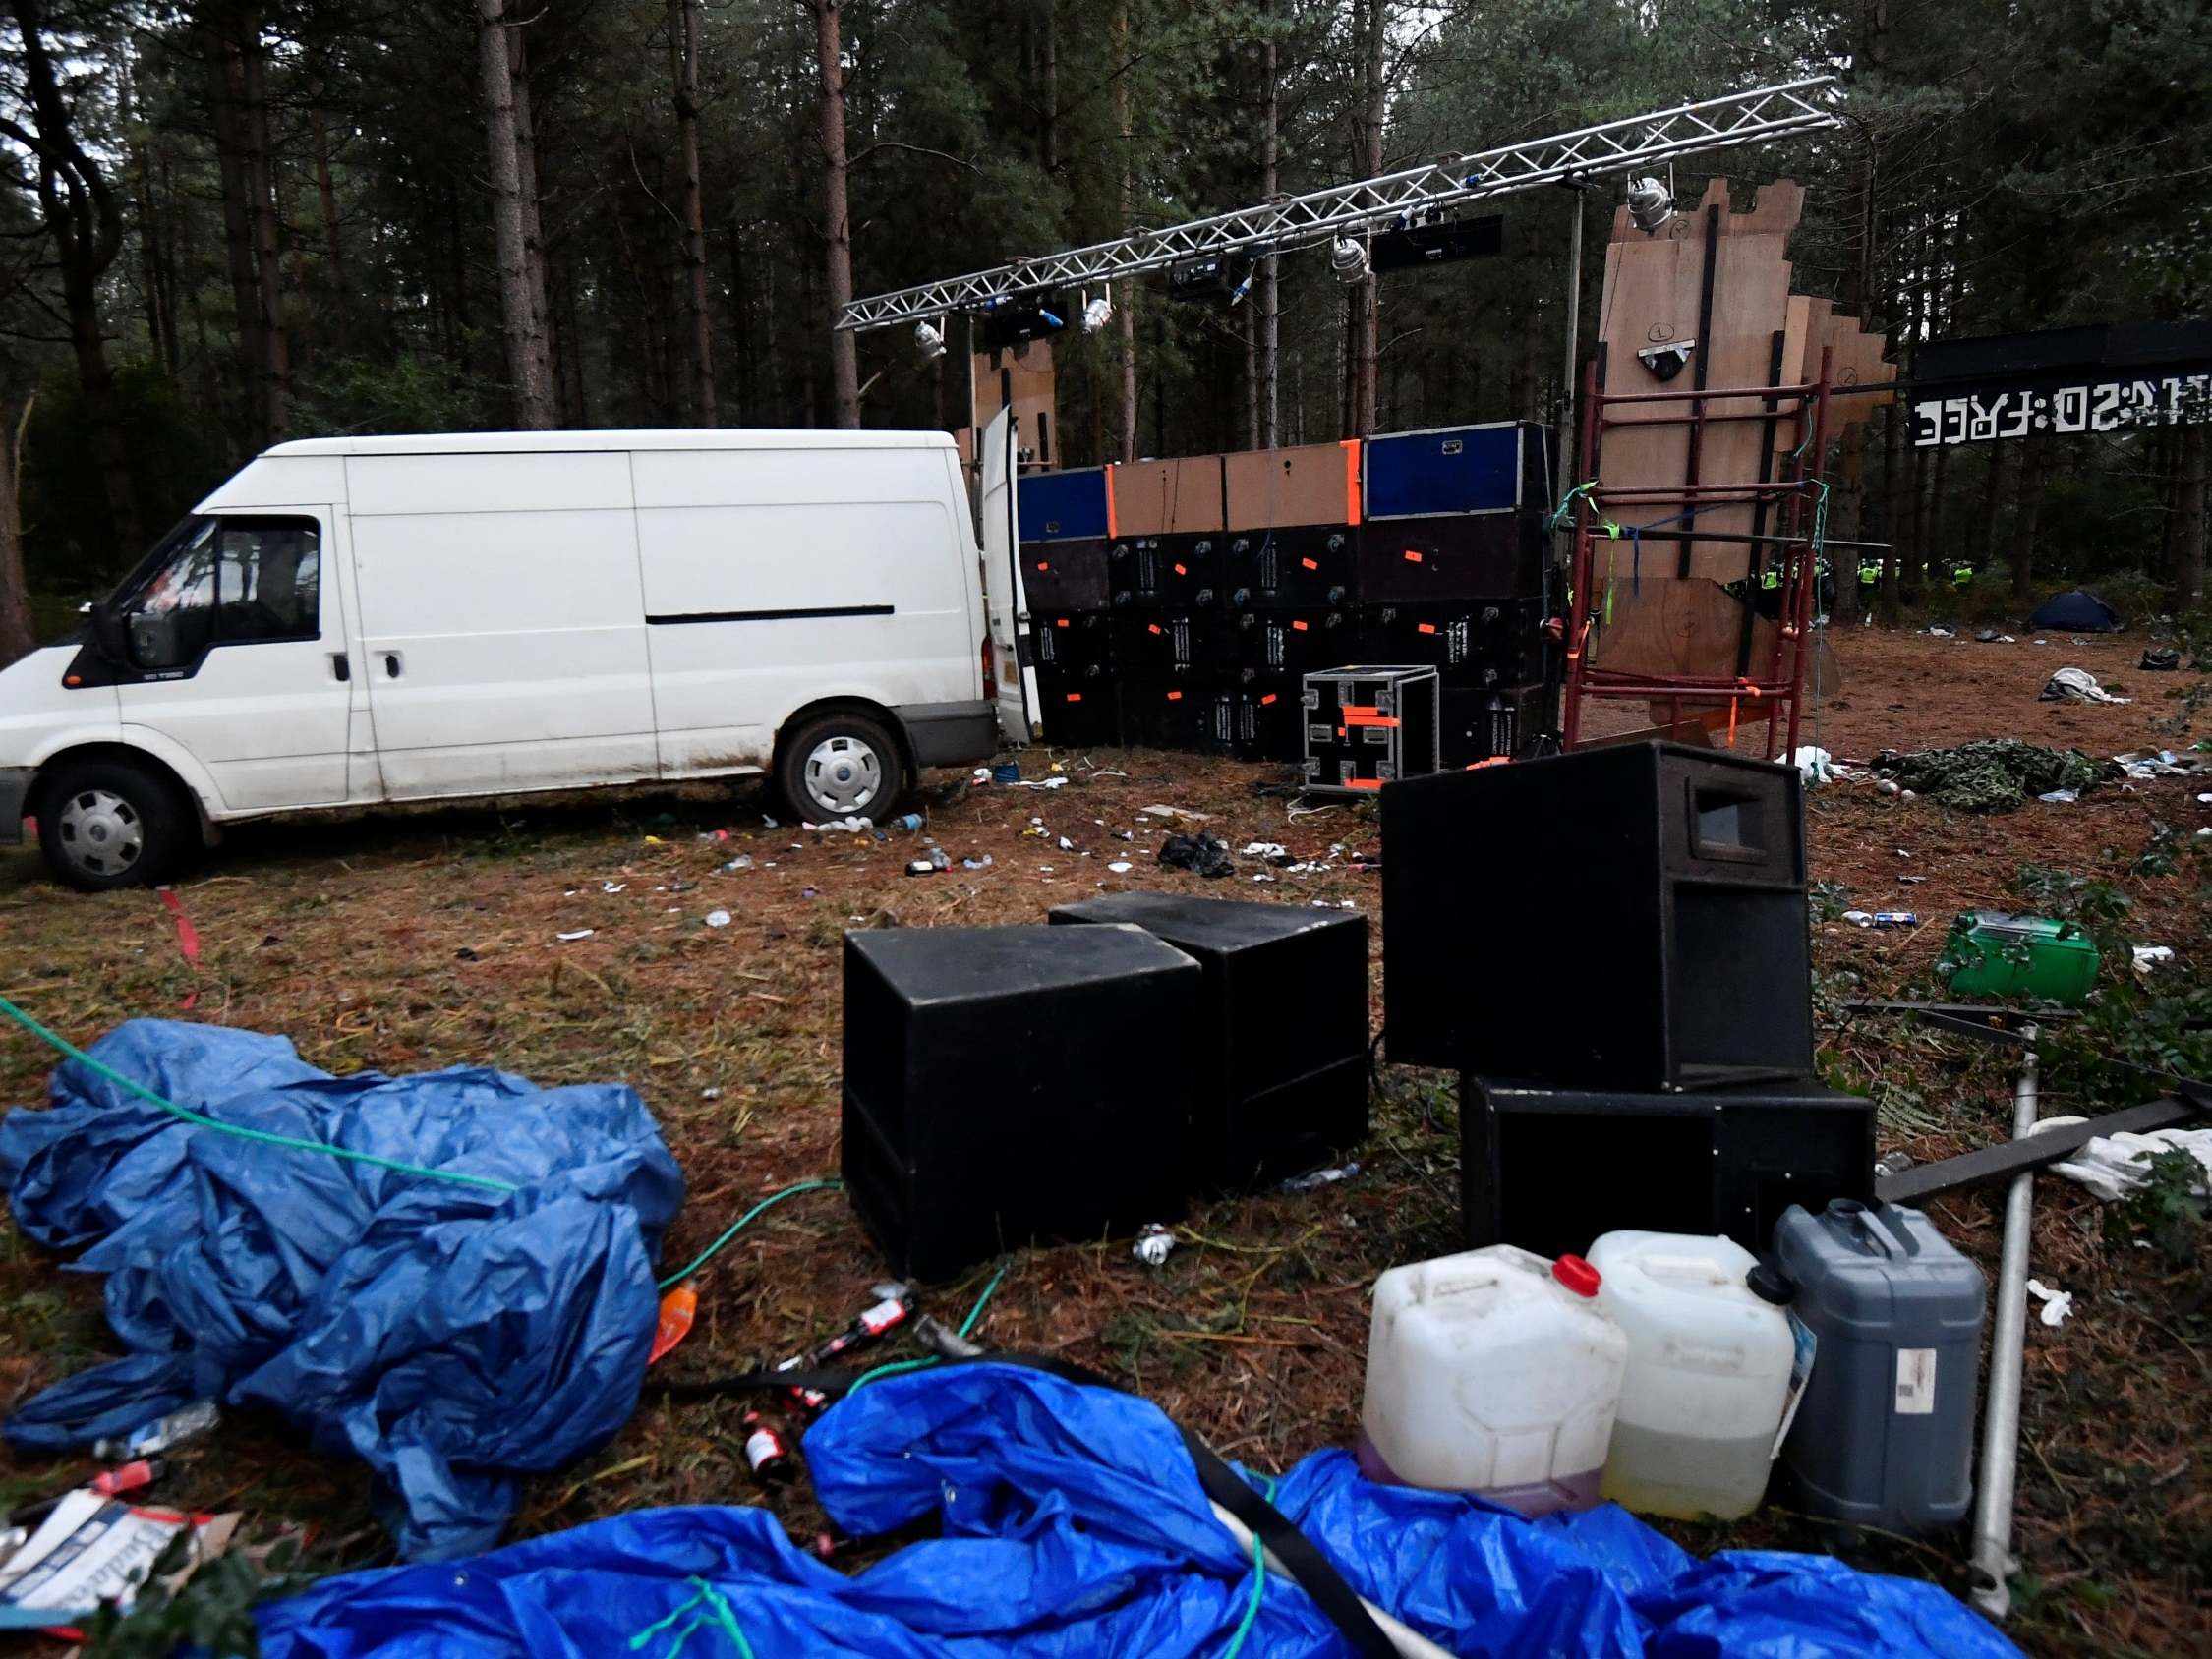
x,y
1111,531
1350,719
1363,784
1351,480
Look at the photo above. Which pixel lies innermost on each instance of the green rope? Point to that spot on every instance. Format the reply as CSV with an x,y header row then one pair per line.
x,y
717,1611
659,1625
1243,1630
737,1226
202,1120
974,1316
1567,504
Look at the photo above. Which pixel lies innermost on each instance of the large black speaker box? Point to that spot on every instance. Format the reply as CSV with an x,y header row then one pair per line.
x,y
1549,1170
1008,1084
1280,1080
1620,918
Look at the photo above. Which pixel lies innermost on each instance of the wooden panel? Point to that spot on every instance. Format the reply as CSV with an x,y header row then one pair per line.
x,y
1673,625
1653,294
1168,498
1275,489
1030,371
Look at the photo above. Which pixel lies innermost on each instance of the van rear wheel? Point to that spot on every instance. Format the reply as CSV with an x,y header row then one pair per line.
x,y
842,765
110,823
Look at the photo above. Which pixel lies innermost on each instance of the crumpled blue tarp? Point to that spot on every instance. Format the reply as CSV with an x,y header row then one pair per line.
x,y
452,1336
1073,1524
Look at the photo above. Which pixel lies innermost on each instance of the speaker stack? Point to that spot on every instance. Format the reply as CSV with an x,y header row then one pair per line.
x,y
1225,580
1083,1079
1611,949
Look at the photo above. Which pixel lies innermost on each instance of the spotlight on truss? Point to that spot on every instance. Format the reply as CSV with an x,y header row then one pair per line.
x,y
1348,260
1650,204
929,341
1096,313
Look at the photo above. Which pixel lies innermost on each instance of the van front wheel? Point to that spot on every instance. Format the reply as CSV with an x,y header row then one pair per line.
x,y
842,765
108,824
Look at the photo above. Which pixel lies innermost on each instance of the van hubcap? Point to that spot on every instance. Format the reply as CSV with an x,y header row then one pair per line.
x,y
101,832
844,775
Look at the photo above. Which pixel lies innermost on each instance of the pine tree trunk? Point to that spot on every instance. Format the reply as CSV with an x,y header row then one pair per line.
x,y
228,95
327,199
2188,533
1125,308
1366,342
1269,317
18,638
534,246
836,216
684,63
522,294
1048,87
275,363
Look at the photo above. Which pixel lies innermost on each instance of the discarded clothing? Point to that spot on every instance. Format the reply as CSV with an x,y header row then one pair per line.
x,y
452,1336
1072,1523
1200,852
1991,773
2115,1165
2160,659
2077,685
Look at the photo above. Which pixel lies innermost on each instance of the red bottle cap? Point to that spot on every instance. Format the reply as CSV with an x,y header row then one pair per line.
x,y
1576,1275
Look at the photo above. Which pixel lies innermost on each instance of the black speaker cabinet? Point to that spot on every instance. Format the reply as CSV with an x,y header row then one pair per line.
x,y
1164,572
1007,1084
1498,724
1549,1170
1450,557
1065,575
1628,918
1298,569
1476,644
1281,1058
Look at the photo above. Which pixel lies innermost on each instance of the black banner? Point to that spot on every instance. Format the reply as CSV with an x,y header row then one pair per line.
x,y
2104,379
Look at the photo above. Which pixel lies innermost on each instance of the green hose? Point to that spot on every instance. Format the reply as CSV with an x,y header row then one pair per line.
x,y
201,1119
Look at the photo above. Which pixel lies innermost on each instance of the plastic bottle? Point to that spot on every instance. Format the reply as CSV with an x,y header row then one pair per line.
x,y
1492,1372
1711,1361
187,1423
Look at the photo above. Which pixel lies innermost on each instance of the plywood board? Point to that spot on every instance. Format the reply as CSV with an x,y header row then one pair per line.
x,y
1687,626
1279,488
1167,497
1029,368
1654,290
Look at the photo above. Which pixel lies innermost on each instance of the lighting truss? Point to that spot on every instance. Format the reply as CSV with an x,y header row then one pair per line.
x,y
1758,116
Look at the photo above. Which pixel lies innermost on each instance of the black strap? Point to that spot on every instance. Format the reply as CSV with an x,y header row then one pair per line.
x,y
750,1382
1314,1573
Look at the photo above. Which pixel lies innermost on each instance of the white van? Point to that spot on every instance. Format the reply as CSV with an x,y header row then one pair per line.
x,y
351,621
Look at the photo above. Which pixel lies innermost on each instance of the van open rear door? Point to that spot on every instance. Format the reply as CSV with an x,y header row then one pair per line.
x,y
1005,603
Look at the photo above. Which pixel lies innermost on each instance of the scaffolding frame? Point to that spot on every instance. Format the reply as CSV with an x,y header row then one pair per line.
x,y
1758,116
1774,691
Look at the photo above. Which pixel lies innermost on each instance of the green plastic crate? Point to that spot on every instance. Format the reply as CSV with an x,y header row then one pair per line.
x,y
1990,953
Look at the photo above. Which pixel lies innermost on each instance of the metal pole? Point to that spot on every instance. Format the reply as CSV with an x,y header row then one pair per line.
x,y
1574,326
2001,1414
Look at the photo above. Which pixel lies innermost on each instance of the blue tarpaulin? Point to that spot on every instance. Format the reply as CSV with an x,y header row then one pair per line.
x,y
452,1335
1071,1522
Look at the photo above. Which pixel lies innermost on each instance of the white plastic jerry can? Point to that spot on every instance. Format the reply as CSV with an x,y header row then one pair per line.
x,y
1714,1365
1492,1372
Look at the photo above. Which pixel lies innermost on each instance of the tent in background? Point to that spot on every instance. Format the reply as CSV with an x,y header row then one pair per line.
x,y
2078,612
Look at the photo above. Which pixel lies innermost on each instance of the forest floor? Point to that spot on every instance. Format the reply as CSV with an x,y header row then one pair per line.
x,y
410,941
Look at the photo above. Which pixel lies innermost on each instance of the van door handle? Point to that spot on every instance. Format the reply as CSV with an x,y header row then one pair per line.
x,y
391,664
340,669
